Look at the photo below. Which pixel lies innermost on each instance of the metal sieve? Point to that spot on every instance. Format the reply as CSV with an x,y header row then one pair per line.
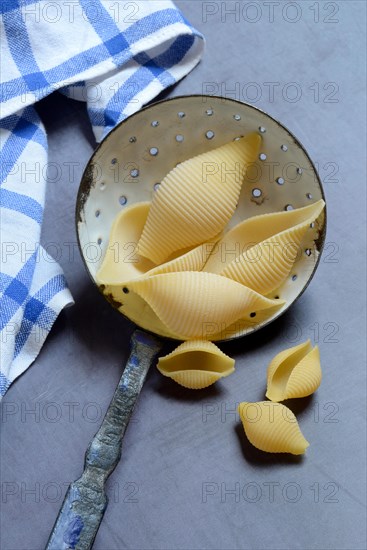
x,y
129,164
126,168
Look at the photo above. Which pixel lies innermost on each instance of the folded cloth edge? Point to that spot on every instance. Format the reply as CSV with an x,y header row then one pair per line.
x,y
26,349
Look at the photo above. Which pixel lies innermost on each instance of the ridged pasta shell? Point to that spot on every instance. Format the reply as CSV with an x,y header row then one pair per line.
x,y
252,231
121,261
250,321
191,206
193,260
294,372
272,427
135,308
266,265
189,302
196,364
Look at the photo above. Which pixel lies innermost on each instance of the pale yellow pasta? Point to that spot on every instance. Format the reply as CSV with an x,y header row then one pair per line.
x,y
196,199
245,324
196,364
121,261
272,427
266,265
294,372
135,308
188,303
252,231
193,260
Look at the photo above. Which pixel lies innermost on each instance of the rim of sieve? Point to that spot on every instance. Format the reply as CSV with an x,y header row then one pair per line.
x,y
86,184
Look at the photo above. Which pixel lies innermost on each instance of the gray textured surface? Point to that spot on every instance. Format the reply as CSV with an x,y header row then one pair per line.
x,y
184,451
86,499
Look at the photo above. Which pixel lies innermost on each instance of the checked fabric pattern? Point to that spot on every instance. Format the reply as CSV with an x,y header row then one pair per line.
x,y
116,56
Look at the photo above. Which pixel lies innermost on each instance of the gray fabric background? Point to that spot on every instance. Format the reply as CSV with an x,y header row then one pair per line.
x,y
188,479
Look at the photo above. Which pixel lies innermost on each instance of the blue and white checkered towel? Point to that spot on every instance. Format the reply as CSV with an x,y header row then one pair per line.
x,y
116,56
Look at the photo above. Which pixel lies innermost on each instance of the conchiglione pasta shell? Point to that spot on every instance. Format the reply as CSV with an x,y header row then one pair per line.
x,y
266,265
196,364
193,260
196,199
121,261
252,231
135,308
272,427
294,372
189,302
246,323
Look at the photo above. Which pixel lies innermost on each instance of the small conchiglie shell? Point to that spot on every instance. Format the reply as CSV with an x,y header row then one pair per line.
x,y
266,265
252,231
272,427
196,199
294,372
196,364
189,302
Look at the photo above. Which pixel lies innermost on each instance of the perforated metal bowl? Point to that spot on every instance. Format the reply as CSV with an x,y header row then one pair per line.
x,y
132,160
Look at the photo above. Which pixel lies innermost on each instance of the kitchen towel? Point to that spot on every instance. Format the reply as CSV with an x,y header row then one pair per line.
x,y
116,56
